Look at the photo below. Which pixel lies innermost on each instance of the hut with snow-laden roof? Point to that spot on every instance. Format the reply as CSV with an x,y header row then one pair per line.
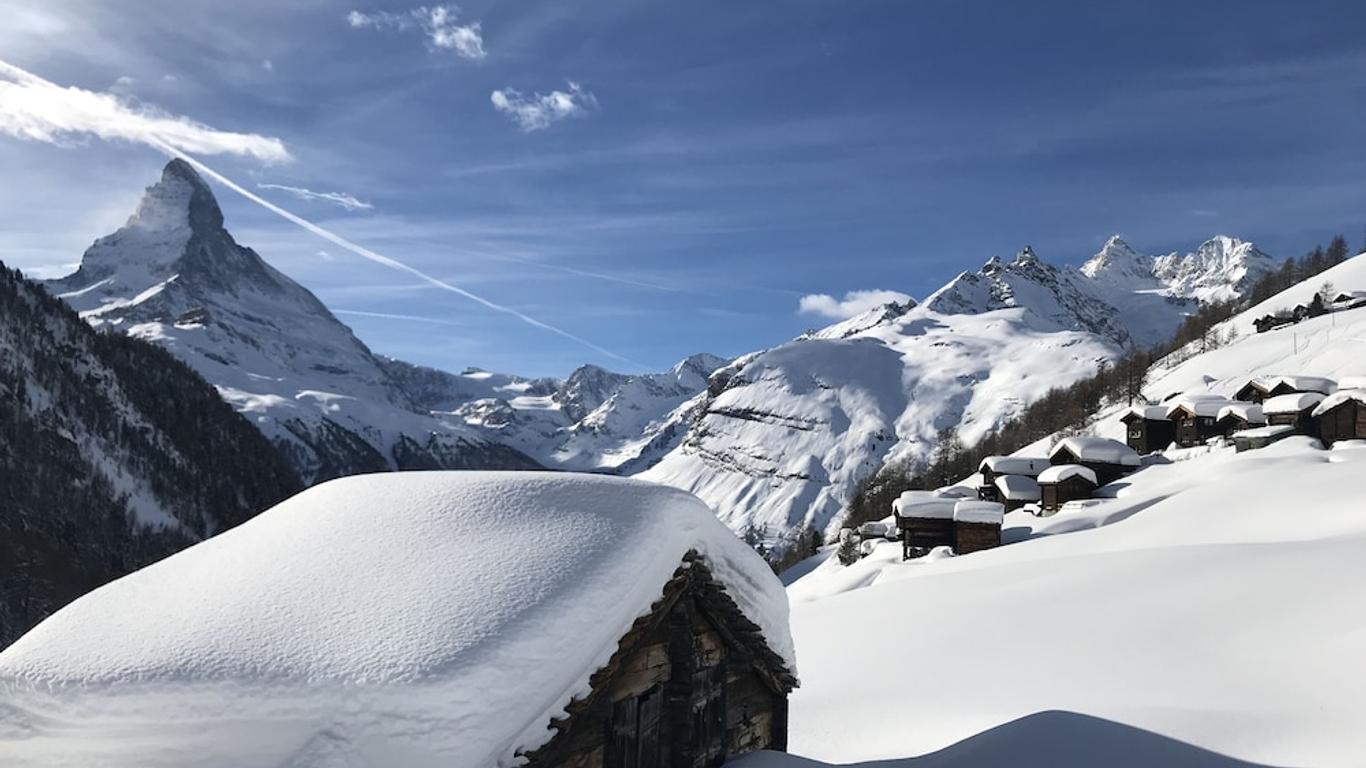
x,y
1108,459
384,619
994,467
977,525
1294,411
1062,483
1016,491
1260,437
1236,417
1341,416
925,521
1147,428
1259,389
1194,418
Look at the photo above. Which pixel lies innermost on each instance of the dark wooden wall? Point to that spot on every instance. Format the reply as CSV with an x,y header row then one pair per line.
x,y
1344,422
973,537
1071,489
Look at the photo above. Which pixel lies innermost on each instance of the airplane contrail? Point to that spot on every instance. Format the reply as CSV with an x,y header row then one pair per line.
x,y
380,258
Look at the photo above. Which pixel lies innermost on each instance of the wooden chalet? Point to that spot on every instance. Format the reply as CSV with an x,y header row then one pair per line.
x,y
1348,300
925,521
1236,417
1062,483
993,467
1108,459
1342,416
1194,418
1016,491
977,525
1254,391
1294,410
692,683
1147,428
1260,437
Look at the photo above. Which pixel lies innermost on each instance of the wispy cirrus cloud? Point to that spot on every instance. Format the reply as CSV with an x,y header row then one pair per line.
x,y
853,303
437,22
347,201
35,109
539,111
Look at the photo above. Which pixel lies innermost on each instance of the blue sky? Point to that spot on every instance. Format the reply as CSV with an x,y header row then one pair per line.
x,y
710,163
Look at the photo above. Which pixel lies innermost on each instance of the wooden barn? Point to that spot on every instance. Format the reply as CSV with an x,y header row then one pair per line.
x,y
1015,491
993,467
1260,437
1236,417
1108,459
977,525
691,683
1062,483
1194,418
1254,391
1294,411
1147,428
925,521
1342,416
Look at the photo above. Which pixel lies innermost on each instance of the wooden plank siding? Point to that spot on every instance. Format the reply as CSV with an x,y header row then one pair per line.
x,y
697,649
1345,421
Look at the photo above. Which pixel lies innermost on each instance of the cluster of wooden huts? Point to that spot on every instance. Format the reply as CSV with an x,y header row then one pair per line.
x,y
1316,307
1264,410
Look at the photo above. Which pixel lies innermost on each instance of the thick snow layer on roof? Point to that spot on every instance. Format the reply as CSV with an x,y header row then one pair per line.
x,y
1306,383
1152,412
1200,405
973,511
1291,403
1249,412
430,617
1061,472
1098,449
1271,431
924,504
1018,487
1015,465
1352,382
1338,398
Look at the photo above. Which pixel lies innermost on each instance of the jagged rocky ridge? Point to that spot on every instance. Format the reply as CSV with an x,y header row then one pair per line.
x,y
113,454
784,436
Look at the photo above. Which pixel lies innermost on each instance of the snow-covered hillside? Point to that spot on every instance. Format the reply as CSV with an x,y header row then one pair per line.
x,y
786,435
1194,615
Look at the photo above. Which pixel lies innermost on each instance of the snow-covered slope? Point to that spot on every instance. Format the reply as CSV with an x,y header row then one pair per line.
x,y
784,436
1193,616
173,275
484,603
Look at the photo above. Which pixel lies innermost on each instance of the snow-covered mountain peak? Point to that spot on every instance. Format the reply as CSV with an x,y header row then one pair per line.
x,y
1219,270
1117,259
180,200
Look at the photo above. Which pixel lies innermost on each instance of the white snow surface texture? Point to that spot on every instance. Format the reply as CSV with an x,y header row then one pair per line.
x,y
433,618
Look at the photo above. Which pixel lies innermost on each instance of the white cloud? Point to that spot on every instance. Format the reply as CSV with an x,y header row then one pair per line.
x,y
539,111
854,303
34,109
438,22
346,201
268,65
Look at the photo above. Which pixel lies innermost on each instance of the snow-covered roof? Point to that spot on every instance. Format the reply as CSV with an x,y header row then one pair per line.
x,y
1098,449
1014,465
1305,383
1200,405
924,504
1249,412
876,528
1018,487
1338,398
1152,412
448,614
1270,431
1061,472
974,511
1293,403
1352,382
1260,382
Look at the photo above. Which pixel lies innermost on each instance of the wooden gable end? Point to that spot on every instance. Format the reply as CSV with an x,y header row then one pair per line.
x,y
1346,421
692,683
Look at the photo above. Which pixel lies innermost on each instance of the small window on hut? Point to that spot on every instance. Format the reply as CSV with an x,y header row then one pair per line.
x,y
709,716
636,738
